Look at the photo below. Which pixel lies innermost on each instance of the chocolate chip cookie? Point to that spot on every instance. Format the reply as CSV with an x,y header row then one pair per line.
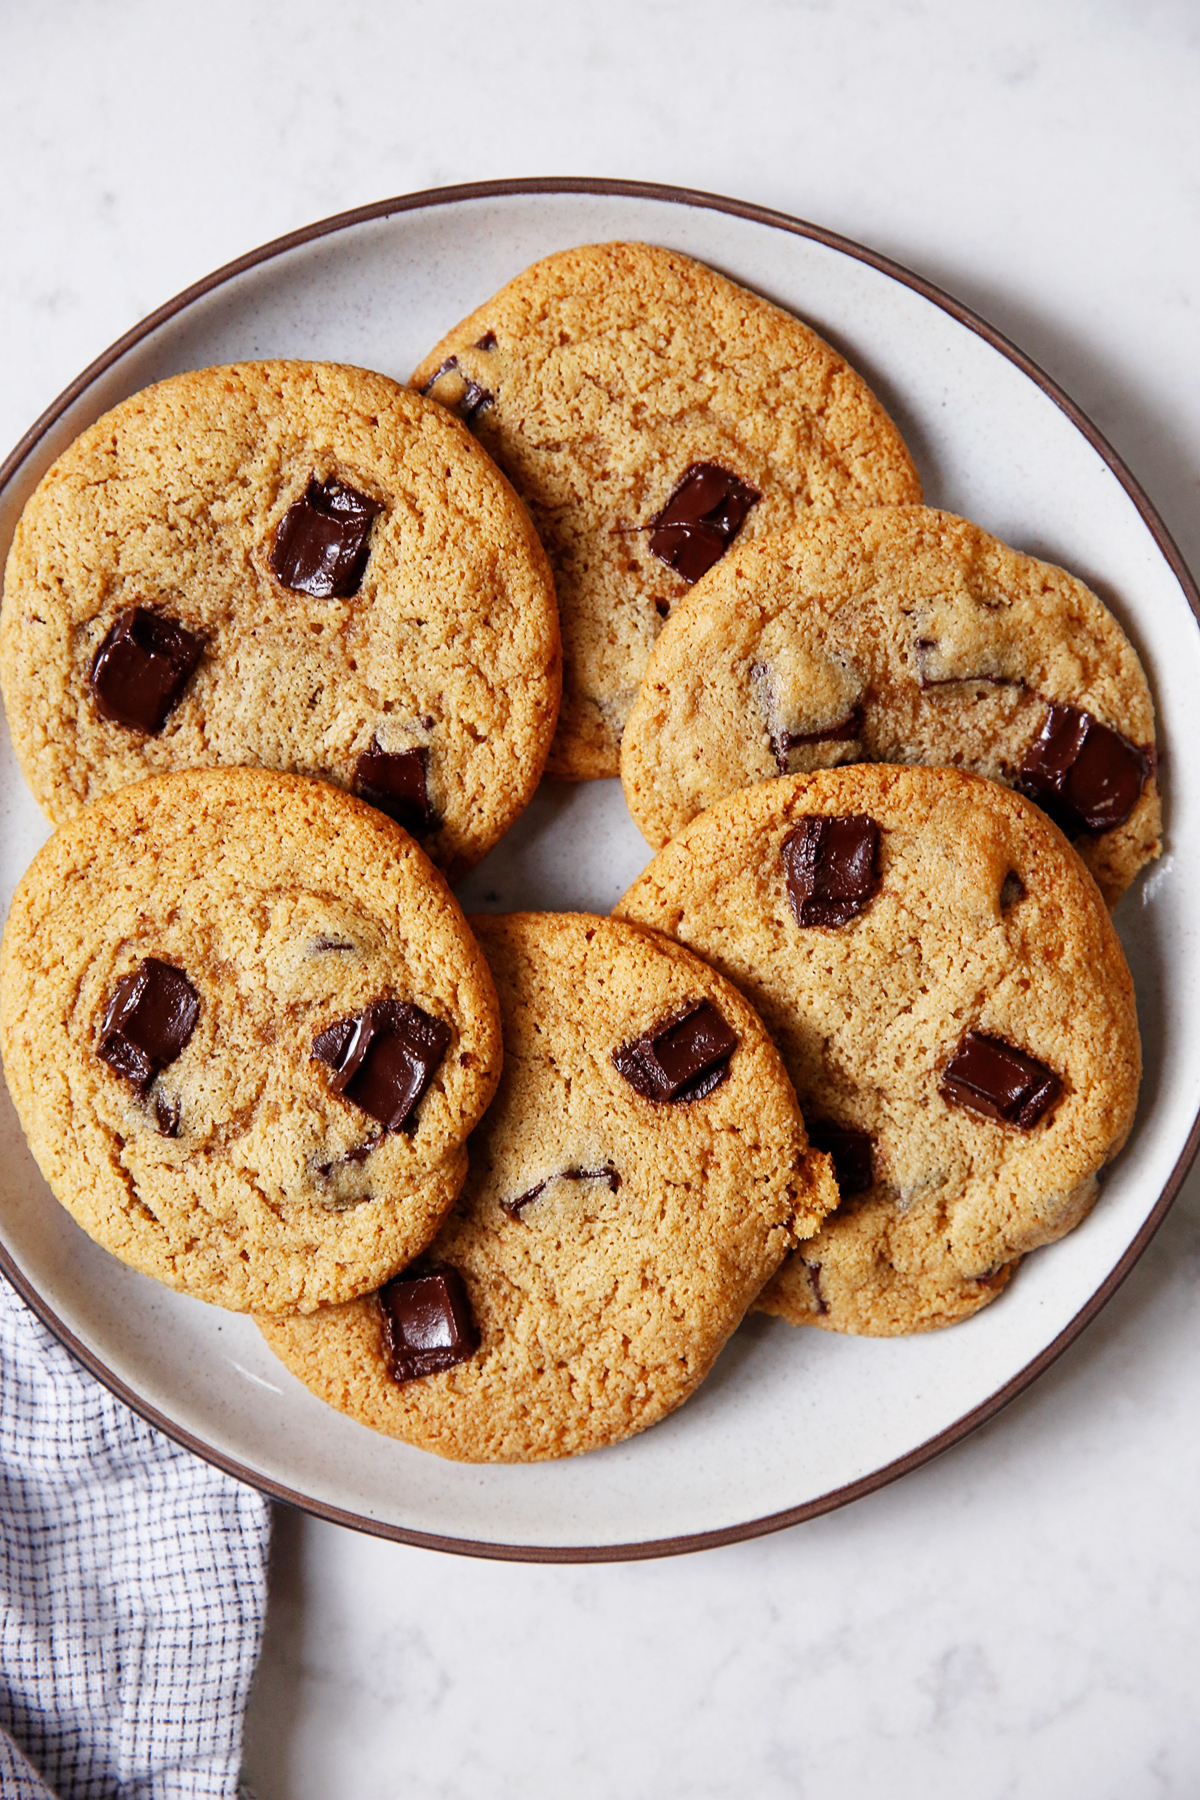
x,y
640,1174
247,1032
899,635
942,978
296,565
650,413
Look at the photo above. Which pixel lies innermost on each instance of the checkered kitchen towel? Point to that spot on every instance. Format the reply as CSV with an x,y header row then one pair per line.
x,y
132,1592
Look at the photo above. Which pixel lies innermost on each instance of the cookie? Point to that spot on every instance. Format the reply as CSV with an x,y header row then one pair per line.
x,y
650,412
899,635
247,1031
640,1174
941,975
293,565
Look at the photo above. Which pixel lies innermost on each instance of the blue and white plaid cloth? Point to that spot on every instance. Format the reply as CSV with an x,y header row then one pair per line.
x,y
132,1592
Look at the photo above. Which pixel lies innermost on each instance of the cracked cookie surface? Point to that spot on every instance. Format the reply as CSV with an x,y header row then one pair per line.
x,y
202,1139
420,624
601,379
900,635
608,1243
972,920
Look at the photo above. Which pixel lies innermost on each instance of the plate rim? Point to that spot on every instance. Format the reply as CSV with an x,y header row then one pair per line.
x,y
1024,1377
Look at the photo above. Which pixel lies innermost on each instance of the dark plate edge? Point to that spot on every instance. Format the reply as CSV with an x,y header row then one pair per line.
x,y
989,1408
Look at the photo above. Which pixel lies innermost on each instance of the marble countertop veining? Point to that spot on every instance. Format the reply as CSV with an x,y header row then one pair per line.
x,y
1018,1618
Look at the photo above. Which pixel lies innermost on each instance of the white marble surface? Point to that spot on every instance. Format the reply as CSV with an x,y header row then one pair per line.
x,y
1020,1617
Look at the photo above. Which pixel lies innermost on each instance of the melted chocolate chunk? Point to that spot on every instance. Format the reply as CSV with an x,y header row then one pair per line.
x,y
427,1323
683,1058
148,1021
475,397
992,1077
605,1173
832,868
1085,775
396,782
701,519
842,731
814,1281
321,545
850,1152
329,1044
384,1058
141,669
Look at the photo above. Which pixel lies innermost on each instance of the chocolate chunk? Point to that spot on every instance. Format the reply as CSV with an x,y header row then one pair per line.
x,y
449,367
474,396
605,1173
1087,777
486,342
384,1058
850,1152
683,1058
842,731
322,945
427,1323
927,649
701,519
320,545
148,1021
359,1154
992,1077
832,868
141,669
814,1281
166,1116
395,782
782,739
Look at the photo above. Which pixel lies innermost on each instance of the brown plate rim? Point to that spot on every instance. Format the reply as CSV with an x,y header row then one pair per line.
x,y
934,1446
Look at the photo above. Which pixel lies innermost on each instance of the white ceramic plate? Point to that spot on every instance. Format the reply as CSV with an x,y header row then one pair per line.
x,y
791,1422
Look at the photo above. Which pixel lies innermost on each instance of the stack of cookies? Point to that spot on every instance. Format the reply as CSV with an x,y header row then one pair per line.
x,y
282,650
